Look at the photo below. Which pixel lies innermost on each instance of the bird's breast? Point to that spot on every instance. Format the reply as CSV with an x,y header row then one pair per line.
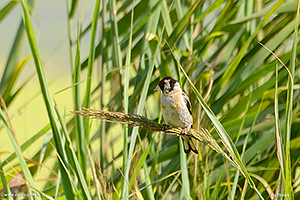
x,y
175,113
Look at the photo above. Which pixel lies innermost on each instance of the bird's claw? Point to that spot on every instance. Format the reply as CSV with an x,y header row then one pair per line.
x,y
165,127
185,131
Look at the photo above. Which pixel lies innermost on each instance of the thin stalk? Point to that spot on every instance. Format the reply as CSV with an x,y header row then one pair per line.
x,y
103,81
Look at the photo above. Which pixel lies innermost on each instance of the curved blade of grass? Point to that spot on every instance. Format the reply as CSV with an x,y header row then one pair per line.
x,y
46,95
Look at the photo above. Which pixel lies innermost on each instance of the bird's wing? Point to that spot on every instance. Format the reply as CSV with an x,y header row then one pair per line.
x,y
187,102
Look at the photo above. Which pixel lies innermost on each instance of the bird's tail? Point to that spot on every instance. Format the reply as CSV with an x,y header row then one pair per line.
x,y
188,144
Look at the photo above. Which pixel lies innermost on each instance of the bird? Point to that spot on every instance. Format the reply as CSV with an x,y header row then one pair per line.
x,y
176,110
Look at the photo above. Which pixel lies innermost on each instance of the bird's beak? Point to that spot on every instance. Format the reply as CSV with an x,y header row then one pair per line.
x,y
156,88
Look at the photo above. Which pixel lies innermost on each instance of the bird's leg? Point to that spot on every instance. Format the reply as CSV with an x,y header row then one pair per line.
x,y
185,131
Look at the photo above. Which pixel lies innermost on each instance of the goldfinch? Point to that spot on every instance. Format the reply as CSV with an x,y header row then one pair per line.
x,y
176,110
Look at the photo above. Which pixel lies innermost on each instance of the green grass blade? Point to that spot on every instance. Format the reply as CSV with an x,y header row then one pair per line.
x,y
87,98
140,111
168,191
15,52
103,81
235,184
250,131
126,99
13,79
117,59
79,124
46,95
5,185
18,152
185,191
182,24
278,134
6,9
217,45
97,183
286,7
215,5
230,70
148,182
289,113
70,35
166,17
28,143
74,5
84,194
179,12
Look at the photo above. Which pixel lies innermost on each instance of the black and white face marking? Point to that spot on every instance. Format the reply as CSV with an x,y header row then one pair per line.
x,y
167,84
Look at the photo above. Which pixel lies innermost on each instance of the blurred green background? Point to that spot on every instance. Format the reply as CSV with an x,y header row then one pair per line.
x,y
109,55
28,111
